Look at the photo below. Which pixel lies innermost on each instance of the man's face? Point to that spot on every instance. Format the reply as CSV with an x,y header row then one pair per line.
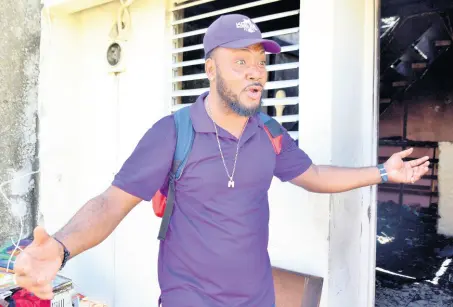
x,y
240,75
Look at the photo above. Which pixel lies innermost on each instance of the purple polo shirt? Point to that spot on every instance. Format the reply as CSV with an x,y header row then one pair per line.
x,y
215,253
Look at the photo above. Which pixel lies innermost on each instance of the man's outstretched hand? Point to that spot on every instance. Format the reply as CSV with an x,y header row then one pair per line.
x,y
38,264
399,171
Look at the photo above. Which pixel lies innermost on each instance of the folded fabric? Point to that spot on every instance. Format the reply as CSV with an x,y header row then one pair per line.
x,y
23,298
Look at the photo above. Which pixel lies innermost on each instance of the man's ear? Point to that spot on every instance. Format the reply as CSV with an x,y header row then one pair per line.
x,y
210,69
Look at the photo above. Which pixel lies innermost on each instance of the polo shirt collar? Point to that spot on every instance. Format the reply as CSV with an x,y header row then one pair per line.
x,y
203,123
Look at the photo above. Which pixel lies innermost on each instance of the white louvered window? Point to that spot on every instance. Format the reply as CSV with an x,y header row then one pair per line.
x,y
277,20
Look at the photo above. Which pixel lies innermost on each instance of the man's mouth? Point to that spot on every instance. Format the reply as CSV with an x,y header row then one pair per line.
x,y
255,89
254,92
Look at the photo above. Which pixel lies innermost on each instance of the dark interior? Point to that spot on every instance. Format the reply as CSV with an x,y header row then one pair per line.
x,y
415,63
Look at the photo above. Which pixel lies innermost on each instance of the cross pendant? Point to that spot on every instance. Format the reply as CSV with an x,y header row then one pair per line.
x,y
231,183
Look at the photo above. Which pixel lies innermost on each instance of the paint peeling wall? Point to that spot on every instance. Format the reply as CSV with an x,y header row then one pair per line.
x,y
19,70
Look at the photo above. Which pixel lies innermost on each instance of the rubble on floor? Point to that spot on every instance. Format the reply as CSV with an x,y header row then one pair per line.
x,y
413,295
413,262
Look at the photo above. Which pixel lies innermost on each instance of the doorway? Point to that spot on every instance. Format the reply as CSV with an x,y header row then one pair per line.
x,y
414,242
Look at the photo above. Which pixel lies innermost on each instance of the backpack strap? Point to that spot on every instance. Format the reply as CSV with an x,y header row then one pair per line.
x,y
184,141
274,131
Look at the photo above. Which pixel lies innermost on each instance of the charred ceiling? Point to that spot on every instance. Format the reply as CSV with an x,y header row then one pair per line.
x,y
404,8
415,39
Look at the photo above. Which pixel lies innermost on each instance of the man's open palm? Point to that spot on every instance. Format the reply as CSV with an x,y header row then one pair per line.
x,y
38,264
400,171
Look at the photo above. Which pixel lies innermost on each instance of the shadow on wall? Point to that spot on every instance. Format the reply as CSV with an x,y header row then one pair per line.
x,y
295,289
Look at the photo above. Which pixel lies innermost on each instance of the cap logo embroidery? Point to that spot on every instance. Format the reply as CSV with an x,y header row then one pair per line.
x,y
247,25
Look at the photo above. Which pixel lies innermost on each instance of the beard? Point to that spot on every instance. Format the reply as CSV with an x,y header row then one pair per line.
x,y
232,100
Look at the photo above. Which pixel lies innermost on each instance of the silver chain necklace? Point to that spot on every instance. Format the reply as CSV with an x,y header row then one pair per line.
x,y
231,180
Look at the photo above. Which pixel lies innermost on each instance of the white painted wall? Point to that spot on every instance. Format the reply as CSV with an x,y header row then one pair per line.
x,y
354,143
445,173
332,236
91,121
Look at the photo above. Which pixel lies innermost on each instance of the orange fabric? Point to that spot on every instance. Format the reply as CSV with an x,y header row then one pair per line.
x,y
276,142
23,298
159,202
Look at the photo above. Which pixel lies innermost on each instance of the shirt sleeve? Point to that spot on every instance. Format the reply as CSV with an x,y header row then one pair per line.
x,y
292,161
146,169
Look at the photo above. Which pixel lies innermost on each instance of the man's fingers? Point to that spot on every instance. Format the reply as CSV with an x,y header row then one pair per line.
x,y
42,288
28,282
40,236
405,153
21,270
422,169
44,292
22,265
416,175
419,171
419,161
45,296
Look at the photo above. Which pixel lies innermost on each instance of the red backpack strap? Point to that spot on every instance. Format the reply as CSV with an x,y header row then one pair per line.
x,y
273,130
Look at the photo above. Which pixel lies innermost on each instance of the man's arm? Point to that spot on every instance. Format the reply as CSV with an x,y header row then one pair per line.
x,y
141,175
96,220
332,179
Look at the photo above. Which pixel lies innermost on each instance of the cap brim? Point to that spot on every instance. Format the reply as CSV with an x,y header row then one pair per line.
x,y
268,45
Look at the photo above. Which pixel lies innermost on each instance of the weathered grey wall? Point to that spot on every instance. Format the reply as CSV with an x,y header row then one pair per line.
x,y
19,69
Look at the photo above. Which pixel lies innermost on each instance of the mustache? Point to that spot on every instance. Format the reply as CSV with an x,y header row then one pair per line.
x,y
255,84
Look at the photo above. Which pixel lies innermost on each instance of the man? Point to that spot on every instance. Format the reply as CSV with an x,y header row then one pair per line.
x,y
215,251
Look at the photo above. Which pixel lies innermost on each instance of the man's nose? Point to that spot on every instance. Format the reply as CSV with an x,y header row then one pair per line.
x,y
254,73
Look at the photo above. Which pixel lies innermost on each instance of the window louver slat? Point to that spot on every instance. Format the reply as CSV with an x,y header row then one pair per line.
x,y
224,11
276,67
269,86
256,20
185,6
265,35
201,61
290,101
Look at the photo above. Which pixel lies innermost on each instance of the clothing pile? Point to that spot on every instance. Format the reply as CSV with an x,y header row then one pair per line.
x,y
12,296
23,298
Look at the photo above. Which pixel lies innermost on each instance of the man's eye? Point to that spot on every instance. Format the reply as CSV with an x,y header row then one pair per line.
x,y
263,63
240,62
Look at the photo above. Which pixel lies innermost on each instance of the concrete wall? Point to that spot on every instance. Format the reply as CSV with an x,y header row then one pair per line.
x,y
352,225
19,69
